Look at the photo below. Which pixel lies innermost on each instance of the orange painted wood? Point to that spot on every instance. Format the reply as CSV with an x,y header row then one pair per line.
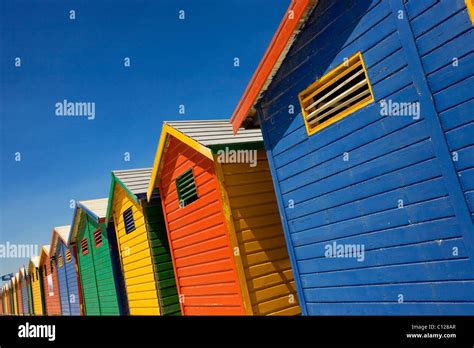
x,y
205,273
53,306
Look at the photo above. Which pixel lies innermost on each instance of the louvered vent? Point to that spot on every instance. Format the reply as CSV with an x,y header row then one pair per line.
x,y
337,94
128,220
68,256
186,188
84,246
97,238
60,261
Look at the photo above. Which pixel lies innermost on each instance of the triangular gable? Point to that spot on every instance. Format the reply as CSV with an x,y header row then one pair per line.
x,y
44,253
203,136
96,209
118,177
61,232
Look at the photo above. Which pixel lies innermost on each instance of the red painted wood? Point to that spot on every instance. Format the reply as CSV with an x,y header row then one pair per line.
x,y
275,49
53,306
19,298
199,240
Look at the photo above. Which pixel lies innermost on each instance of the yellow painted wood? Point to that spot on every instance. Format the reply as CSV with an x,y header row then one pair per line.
x,y
259,235
140,288
35,290
233,239
144,311
135,256
137,265
470,9
166,131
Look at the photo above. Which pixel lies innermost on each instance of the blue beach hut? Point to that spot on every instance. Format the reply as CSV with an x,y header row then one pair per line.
x,y
366,110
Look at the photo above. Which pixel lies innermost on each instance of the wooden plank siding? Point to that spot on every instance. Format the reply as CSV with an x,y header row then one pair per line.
x,y
24,297
68,282
262,247
62,282
162,262
52,304
443,32
408,249
19,297
205,272
135,257
98,283
35,282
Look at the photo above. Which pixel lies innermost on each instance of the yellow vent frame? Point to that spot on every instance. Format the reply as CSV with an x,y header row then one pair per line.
x,y
68,256
470,9
331,77
60,261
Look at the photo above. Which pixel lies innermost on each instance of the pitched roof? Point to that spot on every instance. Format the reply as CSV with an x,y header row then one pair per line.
x,y
44,251
218,132
34,261
202,136
291,24
62,232
94,208
135,180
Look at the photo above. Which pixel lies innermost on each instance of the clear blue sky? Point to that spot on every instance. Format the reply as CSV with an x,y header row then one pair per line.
x,y
173,62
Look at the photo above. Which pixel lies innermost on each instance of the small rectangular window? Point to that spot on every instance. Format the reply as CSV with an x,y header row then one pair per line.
x,y
37,273
128,220
60,261
68,256
337,94
97,238
186,187
84,246
45,272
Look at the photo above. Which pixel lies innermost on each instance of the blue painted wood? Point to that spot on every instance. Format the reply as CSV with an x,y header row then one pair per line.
x,y
68,286
423,249
62,282
458,48
417,308
390,292
444,32
24,299
415,8
440,12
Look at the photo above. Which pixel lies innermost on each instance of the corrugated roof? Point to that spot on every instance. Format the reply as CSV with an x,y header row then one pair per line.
x,y
98,207
135,180
46,249
215,132
63,232
35,261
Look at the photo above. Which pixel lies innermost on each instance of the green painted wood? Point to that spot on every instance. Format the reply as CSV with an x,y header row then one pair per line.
x,y
87,271
164,273
97,278
104,277
30,298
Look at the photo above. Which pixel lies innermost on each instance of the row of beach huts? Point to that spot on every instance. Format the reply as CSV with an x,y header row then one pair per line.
x,y
342,185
